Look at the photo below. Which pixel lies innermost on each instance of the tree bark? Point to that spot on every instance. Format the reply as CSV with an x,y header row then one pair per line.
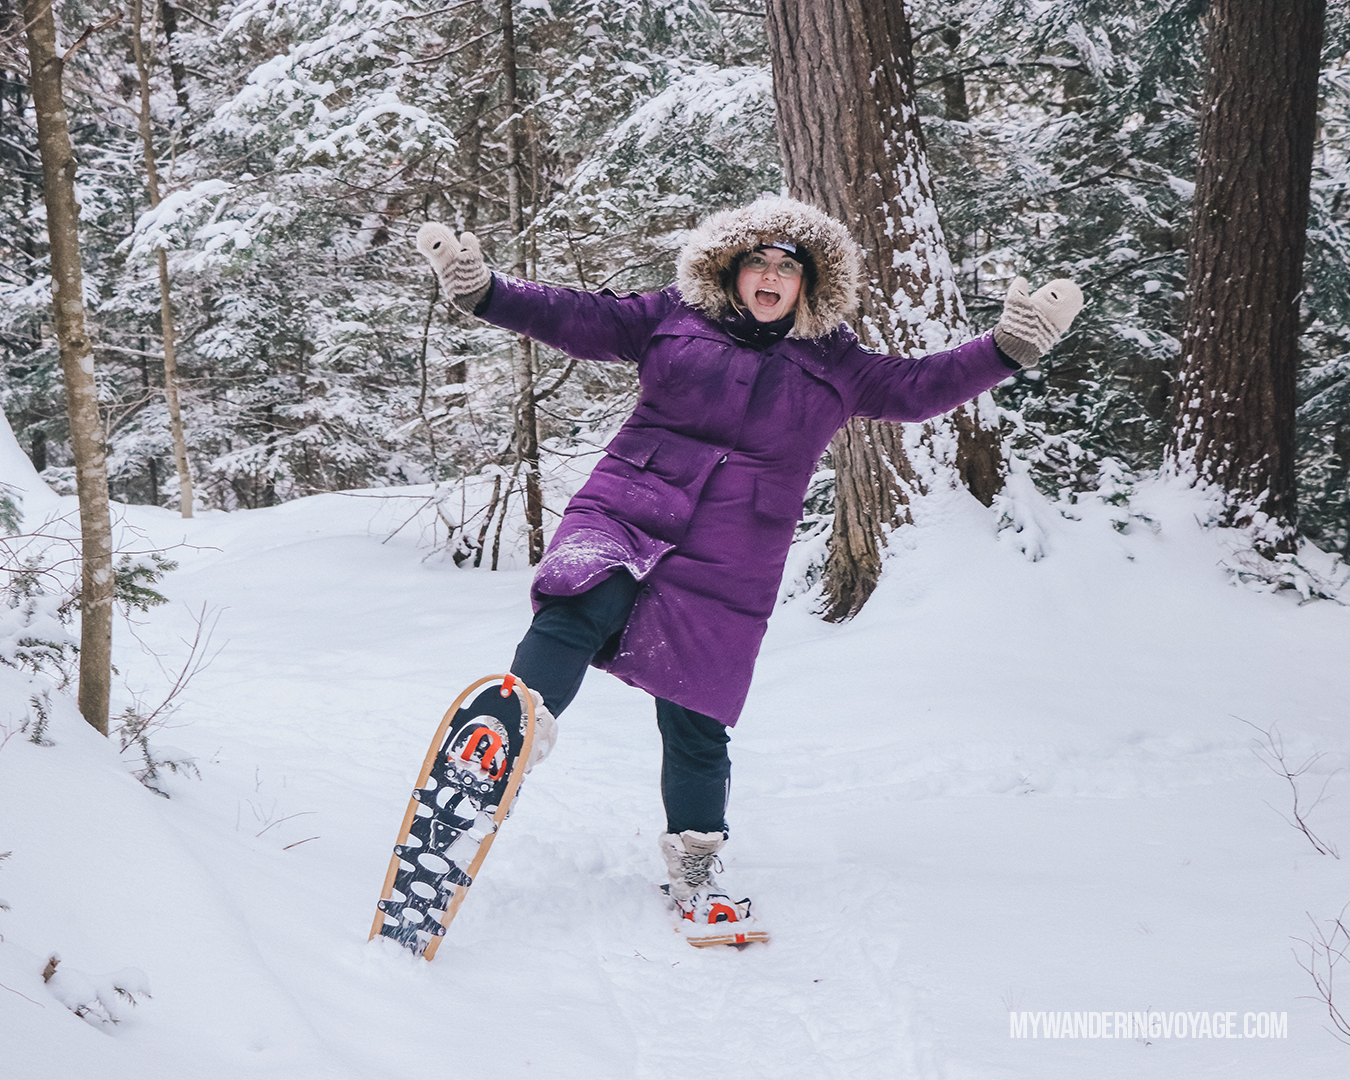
x,y
1236,395
77,364
177,69
165,295
527,417
843,77
956,106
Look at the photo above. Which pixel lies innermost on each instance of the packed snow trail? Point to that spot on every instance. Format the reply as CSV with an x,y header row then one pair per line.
x,y
1005,786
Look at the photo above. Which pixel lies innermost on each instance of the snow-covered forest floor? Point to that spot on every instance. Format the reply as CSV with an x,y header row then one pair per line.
x,y
1006,785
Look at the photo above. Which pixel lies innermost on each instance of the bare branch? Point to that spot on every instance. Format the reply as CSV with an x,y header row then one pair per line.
x,y
90,31
1045,62
1272,755
1325,951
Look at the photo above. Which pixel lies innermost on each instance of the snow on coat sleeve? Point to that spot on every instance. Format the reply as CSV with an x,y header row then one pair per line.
x,y
587,325
910,389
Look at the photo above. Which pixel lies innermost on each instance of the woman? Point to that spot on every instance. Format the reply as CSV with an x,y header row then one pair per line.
x,y
666,564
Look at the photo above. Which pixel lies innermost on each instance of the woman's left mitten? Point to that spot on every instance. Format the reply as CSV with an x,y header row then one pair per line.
x,y
1031,324
458,264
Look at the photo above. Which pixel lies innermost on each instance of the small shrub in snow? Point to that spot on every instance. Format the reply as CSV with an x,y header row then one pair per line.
x,y
11,517
36,719
39,716
33,623
1312,573
99,1000
151,761
1023,512
134,726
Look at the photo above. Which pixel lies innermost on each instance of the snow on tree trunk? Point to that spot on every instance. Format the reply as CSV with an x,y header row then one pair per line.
x,y
852,145
165,295
1236,397
77,364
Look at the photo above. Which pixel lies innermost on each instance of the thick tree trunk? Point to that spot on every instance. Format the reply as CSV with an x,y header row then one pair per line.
x,y
1235,414
165,296
77,364
527,418
852,145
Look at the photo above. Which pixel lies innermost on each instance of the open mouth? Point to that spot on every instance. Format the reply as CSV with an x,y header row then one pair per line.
x,y
767,297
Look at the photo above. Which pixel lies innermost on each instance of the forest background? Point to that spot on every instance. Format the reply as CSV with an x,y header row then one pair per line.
x,y
299,145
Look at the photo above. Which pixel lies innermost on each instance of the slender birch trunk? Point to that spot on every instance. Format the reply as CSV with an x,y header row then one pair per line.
x,y
527,419
165,295
77,364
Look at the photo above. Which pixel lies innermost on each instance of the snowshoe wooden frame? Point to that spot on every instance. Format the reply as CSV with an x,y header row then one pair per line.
x,y
731,937
510,684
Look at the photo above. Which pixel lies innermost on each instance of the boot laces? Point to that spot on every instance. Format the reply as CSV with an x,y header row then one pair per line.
x,y
697,870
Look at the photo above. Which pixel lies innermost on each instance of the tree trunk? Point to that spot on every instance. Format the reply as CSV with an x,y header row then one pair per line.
x,y
956,106
527,418
177,69
77,364
844,90
1235,415
165,297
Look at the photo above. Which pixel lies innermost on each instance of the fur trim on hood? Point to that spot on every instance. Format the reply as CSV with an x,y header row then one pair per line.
x,y
713,246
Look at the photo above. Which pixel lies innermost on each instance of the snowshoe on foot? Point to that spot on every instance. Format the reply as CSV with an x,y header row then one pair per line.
x,y
705,913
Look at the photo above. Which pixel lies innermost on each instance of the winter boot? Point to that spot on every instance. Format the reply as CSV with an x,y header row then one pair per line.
x,y
545,732
705,914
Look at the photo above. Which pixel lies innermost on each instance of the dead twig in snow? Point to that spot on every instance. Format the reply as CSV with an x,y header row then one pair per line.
x,y
1325,951
1271,754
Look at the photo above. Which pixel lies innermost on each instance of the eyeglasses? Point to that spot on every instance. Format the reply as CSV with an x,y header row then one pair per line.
x,y
785,268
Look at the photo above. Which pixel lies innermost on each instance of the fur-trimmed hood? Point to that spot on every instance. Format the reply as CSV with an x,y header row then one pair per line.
x,y
708,255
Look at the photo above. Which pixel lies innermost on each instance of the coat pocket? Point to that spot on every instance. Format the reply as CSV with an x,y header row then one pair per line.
x,y
633,448
775,500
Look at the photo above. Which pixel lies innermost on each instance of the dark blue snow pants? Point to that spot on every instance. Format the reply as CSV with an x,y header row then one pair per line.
x,y
552,658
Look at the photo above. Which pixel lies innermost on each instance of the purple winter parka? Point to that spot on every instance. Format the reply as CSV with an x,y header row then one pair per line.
x,y
700,492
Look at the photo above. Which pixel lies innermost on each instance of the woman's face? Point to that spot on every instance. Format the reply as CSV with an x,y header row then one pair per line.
x,y
768,283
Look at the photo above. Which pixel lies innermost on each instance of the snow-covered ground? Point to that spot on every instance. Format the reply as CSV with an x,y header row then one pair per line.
x,y
1007,785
